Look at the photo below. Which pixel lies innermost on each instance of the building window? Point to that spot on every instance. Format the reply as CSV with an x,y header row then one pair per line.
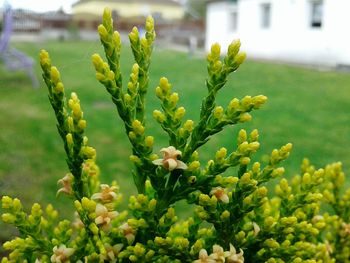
x,y
265,15
233,20
316,14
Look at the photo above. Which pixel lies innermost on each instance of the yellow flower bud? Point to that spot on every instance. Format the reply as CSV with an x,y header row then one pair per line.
x,y
51,212
142,199
256,167
233,105
149,140
135,69
232,180
149,23
8,218
286,148
195,155
275,155
193,166
132,135
107,15
116,38
221,154
94,229
159,241
262,191
152,204
243,147
85,203
97,61
248,200
127,98
137,127
44,55
174,98
246,101
204,199
78,206
242,136
102,31
170,213
233,48
215,50
240,235
133,258
134,34
85,140
55,75
100,76
16,204
306,179
254,146
36,210
290,221
258,101
88,152
164,84
298,259
153,157
254,135
59,88
111,75
77,113
179,113
150,254
245,117
271,243
144,42
181,242
284,185
245,179
269,221
188,126
244,161
82,124
139,250
6,202
240,58
159,116
218,112
225,215
217,66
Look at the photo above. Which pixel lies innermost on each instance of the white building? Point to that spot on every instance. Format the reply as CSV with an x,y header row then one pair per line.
x,y
300,31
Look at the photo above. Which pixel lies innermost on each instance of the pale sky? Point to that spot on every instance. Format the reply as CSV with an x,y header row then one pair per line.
x,y
40,5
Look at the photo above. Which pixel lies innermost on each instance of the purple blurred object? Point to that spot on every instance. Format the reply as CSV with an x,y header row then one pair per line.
x,y
13,58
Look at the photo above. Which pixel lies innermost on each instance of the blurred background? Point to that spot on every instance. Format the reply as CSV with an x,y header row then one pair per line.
x,y
298,57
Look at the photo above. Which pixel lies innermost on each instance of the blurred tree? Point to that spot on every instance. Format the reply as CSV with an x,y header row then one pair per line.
x,y
195,9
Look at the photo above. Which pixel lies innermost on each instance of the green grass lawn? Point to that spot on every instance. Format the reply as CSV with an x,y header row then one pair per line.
x,y
309,108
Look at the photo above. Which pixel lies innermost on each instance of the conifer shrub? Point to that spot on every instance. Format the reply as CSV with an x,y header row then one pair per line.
x,y
306,219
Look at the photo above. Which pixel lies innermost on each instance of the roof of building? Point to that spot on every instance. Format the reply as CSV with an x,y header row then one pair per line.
x,y
213,1
164,2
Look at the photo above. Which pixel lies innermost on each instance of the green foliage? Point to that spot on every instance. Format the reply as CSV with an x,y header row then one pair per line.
x,y
234,218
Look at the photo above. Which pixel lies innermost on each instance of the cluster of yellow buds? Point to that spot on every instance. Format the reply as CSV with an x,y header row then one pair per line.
x,y
171,117
240,157
219,255
130,104
232,207
71,127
